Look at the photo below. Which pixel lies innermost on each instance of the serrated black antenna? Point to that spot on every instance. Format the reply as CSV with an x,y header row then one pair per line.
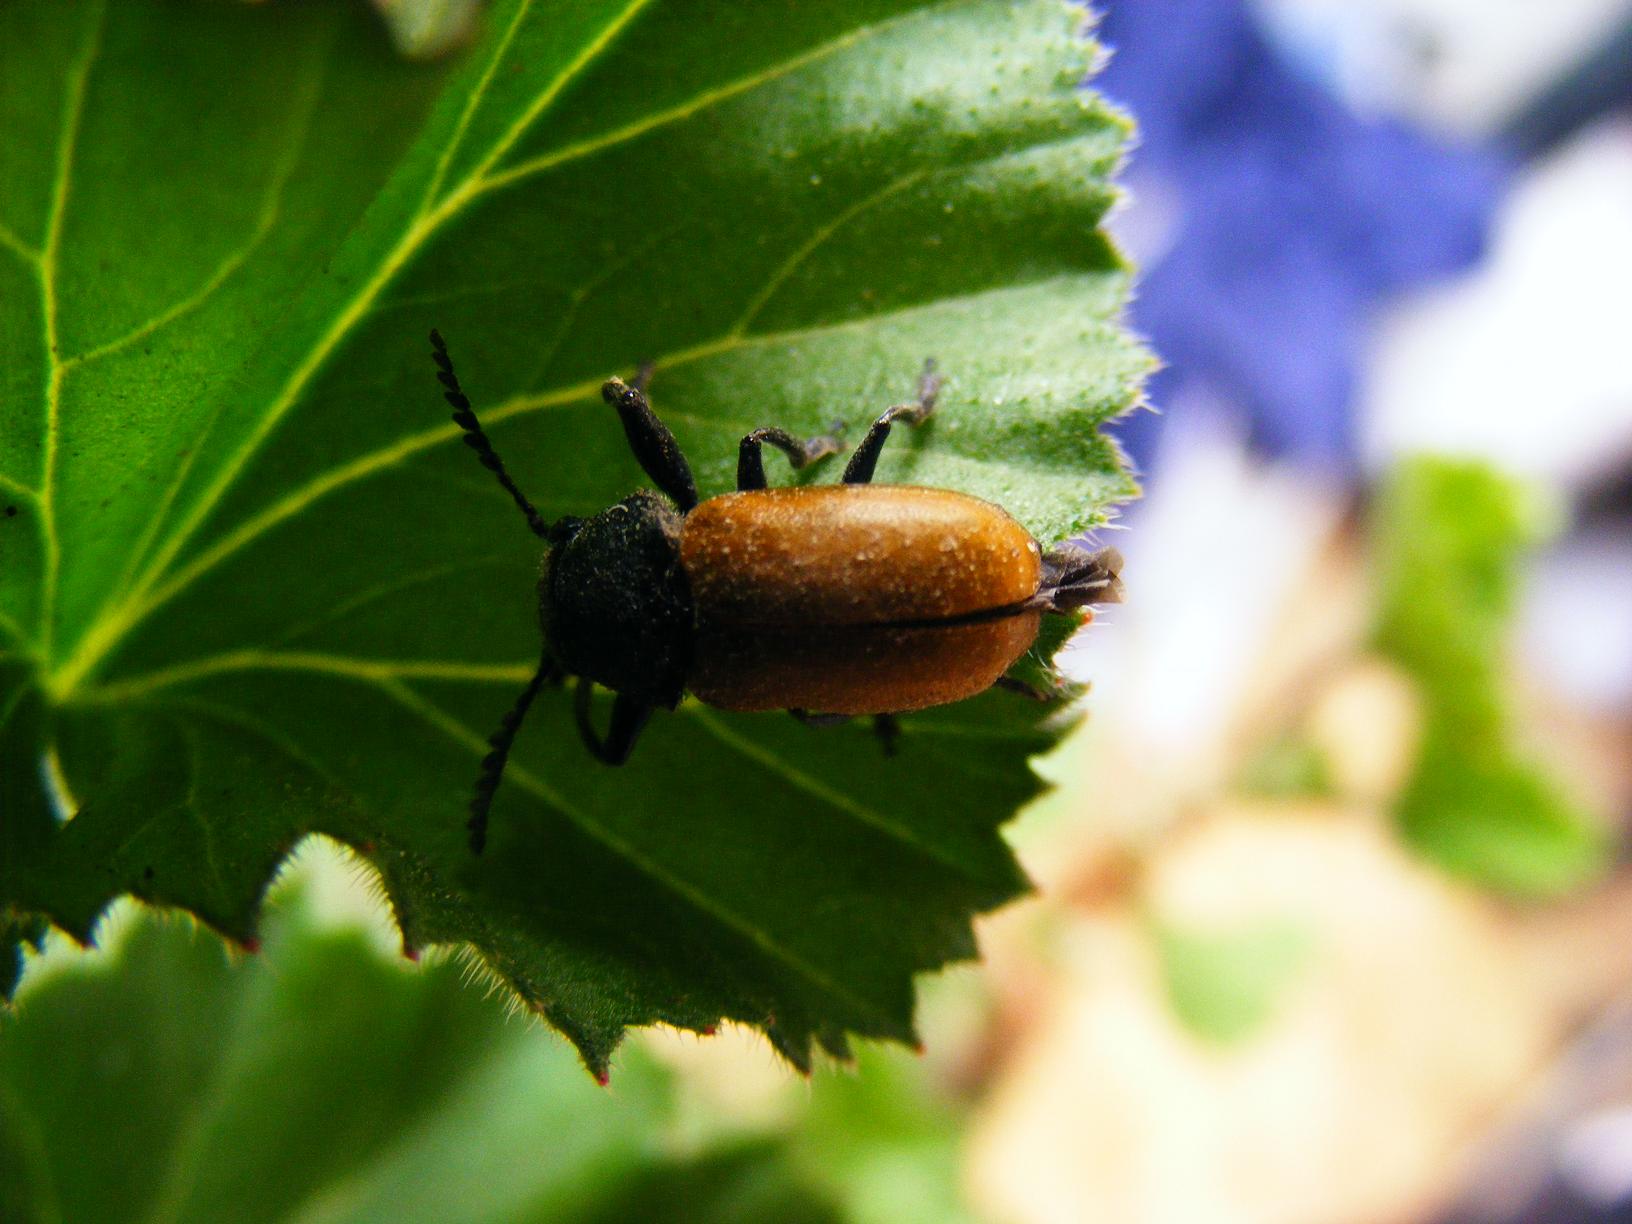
x,y
487,782
464,416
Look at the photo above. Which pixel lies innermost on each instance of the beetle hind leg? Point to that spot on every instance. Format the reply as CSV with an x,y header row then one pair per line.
x,y
821,720
751,462
628,720
886,727
860,468
1074,577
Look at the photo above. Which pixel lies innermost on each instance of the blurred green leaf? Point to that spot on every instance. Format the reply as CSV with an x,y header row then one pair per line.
x,y
885,1141
1224,985
265,591
744,1183
1450,541
325,1083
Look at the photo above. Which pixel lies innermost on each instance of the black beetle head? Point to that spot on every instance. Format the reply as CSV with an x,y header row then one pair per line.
x,y
614,603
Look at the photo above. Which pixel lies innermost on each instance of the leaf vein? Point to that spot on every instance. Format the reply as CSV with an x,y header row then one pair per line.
x,y
423,226
195,770
815,242
681,111
818,790
18,487
10,240
472,104
392,586
67,140
259,728
349,666
12,629
546,97
266,217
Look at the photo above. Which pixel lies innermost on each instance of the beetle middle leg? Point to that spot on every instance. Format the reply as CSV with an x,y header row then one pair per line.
x,y
887,731
860,468
628,720
751,463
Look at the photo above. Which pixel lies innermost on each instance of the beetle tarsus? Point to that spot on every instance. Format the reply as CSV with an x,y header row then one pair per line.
x,y
860,468
628,720
800,452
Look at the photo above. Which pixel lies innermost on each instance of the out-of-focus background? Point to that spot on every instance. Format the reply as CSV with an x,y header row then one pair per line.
x,y
1333,920
1336,925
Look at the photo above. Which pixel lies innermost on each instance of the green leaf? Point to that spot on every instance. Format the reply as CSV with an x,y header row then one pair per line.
x,y
322,1083
265,592
1224,985
1450,539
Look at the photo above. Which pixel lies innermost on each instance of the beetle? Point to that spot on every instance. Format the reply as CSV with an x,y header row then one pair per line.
x,y
826,601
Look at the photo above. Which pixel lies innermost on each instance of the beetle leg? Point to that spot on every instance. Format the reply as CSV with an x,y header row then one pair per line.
x,y
751,465
887,730
885,726
654,446
860,468
821,720
628,720
1010,684
487,782
1074,577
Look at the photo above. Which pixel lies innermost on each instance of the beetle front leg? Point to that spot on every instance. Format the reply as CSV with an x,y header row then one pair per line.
x,y
654,446
751,464
860,468
628,720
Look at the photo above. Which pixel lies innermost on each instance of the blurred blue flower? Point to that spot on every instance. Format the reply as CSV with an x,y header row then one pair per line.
x,y
1294,218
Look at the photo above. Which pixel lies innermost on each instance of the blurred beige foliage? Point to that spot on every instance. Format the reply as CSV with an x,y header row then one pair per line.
x,y
1425,1013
